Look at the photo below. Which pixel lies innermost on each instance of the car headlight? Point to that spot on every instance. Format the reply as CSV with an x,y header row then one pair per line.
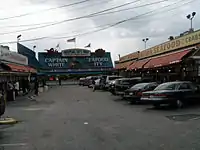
x,y
131,93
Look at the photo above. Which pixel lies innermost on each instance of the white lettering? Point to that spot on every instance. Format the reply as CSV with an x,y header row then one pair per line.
x,y
56,60
98,59
58,65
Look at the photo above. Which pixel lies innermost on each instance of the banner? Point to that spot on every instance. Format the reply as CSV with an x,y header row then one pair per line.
x,y
58,61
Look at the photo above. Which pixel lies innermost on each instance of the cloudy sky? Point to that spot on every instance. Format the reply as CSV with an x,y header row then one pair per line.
x,y
155,19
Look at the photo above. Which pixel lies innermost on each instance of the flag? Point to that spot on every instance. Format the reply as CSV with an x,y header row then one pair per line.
x,y
89,45
58,45
71,40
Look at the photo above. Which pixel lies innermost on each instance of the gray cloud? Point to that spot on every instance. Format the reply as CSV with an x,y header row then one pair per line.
x,y
124,38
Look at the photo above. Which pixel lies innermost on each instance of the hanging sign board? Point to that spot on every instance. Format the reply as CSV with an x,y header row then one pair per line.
x,y
7,55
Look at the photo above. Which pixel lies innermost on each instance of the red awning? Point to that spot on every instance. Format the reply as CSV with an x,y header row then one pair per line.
x,y
20,68
169,59
123,65
138,64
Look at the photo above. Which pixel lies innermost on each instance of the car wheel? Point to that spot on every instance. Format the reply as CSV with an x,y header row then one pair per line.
x,y
179,104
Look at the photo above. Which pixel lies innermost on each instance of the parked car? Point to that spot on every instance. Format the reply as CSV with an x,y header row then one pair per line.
x,y
110,79
81,81
125,83
88,80
90,85
112,84
177,94
134,94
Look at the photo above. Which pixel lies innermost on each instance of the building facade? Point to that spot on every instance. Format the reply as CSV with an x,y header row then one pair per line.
x,y
176,59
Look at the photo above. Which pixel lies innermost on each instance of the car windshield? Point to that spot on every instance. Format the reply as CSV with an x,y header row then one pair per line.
x,y
125,81
166,86
139,86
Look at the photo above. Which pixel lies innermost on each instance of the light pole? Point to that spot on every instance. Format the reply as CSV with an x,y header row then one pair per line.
x,y
145,42
191,17
18,38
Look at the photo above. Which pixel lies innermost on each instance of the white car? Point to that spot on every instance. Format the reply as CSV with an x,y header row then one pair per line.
x,y
109,79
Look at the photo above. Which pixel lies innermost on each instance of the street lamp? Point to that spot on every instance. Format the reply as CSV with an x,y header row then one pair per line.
x,y
34,48
18,38
145,42
191,17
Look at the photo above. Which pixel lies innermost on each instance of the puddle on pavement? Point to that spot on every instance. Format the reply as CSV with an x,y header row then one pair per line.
x,y
34,109
184,117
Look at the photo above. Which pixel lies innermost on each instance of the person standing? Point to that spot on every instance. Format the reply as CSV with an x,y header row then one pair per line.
x,y
93,85
36,86
59,81
16,88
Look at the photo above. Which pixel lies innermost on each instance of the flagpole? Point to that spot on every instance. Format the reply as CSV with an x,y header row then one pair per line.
x,y
75,43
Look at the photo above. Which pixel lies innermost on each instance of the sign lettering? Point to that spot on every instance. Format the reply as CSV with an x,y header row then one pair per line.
x,y
75,52
98,61
181,42
56,62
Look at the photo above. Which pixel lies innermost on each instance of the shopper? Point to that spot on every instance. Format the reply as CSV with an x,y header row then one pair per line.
x,y
16,88
60,82
93,85
36,86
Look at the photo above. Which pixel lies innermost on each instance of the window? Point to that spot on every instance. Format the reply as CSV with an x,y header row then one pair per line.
x,y
166,86
184,86
151,87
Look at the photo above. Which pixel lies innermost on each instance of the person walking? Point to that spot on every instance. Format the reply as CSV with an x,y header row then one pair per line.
x,y
60,82
93,85
16,88
36,86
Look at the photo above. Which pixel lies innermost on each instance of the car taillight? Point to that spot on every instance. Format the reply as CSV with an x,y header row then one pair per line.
x,y
139,93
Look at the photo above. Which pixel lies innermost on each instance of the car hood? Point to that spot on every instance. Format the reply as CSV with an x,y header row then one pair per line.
x,y
132,90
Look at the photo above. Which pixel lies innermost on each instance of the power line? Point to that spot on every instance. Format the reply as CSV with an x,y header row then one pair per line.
x,y
31,13
71,19
37,24
148,4
129,19
120,11
109,25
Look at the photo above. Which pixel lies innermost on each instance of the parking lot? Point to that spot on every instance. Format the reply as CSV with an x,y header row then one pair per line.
x,y
75,117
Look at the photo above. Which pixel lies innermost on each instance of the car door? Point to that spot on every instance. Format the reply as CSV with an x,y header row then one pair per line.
x,y
186,92
196,91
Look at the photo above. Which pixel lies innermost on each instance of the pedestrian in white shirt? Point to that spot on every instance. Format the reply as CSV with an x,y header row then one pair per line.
x,y
16,88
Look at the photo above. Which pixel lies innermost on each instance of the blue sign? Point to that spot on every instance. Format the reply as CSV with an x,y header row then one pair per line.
x,y
58,61
32,61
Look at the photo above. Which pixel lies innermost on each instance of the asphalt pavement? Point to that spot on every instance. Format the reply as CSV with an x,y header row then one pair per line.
x,y
75,118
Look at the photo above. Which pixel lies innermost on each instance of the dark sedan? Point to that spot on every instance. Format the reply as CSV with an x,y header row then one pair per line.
x,y
176,94
134,94
123,84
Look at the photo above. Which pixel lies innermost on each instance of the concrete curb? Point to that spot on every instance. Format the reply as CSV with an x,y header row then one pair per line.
x,y
8,121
